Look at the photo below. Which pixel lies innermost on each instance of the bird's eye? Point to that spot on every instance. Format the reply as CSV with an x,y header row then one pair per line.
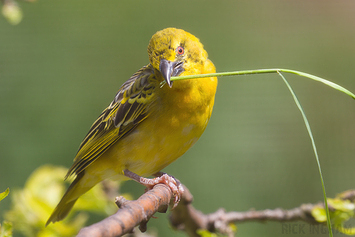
x,y
180,50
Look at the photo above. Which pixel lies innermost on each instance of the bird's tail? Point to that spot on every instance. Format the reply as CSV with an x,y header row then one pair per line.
x,y
75,190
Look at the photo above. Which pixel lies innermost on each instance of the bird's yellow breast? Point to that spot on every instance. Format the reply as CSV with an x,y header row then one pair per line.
x,y
178,117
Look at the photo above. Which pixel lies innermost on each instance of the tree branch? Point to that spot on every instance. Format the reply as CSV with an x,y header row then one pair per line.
x,y
131,213
186,218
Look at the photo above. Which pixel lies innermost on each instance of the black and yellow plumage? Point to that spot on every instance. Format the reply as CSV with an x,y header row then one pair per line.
x,y
124,113
149,124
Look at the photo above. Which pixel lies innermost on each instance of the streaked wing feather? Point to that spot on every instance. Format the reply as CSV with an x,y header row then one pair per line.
x,y
124,113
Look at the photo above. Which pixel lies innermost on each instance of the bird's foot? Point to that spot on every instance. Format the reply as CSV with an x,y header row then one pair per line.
x,y
161,178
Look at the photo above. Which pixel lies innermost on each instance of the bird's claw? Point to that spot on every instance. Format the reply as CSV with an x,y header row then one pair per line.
x,y
161,178
174,184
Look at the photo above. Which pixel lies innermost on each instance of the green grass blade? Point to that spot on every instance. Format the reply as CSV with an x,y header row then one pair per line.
x,y
262,71
4,194
314,149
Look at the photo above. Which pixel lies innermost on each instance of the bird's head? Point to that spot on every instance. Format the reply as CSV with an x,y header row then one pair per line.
x,y
173,52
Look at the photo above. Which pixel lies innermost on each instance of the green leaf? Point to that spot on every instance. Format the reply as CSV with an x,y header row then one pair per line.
x,y
342,211
319,214
6,229
347,231
12,12
341,205
4,194
206,233
33,204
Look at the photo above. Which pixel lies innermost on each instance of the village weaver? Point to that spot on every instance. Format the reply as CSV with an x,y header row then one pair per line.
x,y
151,122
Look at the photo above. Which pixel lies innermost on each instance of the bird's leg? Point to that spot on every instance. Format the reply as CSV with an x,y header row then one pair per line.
x,y
161,178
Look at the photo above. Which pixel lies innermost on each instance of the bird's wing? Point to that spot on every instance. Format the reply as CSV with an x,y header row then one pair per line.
x,y
124,113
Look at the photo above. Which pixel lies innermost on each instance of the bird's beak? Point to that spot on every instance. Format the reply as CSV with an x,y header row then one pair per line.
x,y
170,69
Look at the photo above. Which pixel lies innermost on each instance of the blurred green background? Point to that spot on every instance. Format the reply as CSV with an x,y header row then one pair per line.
x,y
62,65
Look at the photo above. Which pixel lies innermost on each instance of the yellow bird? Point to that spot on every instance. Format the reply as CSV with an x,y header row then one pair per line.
x,y
151,122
